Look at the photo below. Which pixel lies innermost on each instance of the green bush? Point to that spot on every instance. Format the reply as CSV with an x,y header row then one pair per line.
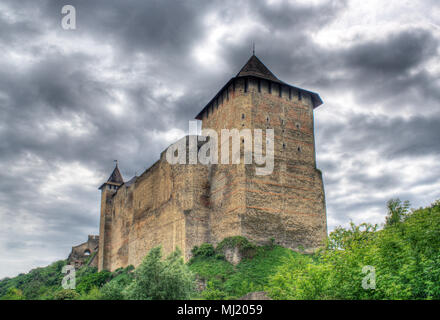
x,y
93,294
13,294
205,250
225,281
157,279
91,280
212,293
66,294
113,290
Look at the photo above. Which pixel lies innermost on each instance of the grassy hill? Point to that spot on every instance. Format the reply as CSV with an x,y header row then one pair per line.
x,y
399,261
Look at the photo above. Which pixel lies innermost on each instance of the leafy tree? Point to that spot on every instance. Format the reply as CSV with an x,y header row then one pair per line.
x,y
157,279
66,294
13,294
93,294
113,290
213,293
397,211
205,250
405,256
91,280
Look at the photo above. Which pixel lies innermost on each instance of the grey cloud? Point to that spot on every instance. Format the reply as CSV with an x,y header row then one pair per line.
x,y
393,137
396,54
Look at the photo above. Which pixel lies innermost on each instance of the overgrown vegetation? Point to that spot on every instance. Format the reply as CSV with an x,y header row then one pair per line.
x,y
225,281
404,254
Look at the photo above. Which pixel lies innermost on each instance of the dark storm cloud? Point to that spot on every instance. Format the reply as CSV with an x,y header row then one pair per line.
x,y
389,68
113,87
286,15
393,137
394,55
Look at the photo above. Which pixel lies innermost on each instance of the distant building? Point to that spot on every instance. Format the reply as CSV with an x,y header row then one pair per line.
x,y
85,253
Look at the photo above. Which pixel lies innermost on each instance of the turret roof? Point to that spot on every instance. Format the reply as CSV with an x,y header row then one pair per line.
x,y
254,67
116,176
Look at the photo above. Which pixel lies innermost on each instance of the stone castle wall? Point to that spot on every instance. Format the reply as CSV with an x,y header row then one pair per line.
x,y
167,205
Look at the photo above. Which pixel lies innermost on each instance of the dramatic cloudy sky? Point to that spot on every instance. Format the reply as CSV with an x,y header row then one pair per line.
x,y
124,84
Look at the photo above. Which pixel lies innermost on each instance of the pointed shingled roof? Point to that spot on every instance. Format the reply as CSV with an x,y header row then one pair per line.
x,y
254,67
116,176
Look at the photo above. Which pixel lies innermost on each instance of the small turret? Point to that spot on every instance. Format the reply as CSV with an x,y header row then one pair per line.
x,y
108,190
114,181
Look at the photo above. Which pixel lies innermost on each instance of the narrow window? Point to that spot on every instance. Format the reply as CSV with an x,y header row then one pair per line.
x,y
284,146
267,119
297,125
270,87
259,85
242,116
299,95
282,122
246,84
299,149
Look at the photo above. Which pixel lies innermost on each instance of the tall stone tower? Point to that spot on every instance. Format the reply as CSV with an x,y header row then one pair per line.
x,y
287,205
108,191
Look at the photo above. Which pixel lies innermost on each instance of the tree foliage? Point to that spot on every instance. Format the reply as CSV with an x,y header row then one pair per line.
x,y
157,279
405,256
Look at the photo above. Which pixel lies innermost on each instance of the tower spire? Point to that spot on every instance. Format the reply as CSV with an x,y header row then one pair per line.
x,y
253,48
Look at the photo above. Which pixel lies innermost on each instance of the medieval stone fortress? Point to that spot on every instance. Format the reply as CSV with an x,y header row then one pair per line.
x,y
184,205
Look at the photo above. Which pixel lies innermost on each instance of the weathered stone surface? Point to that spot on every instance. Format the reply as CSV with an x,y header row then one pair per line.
x,y
233,255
